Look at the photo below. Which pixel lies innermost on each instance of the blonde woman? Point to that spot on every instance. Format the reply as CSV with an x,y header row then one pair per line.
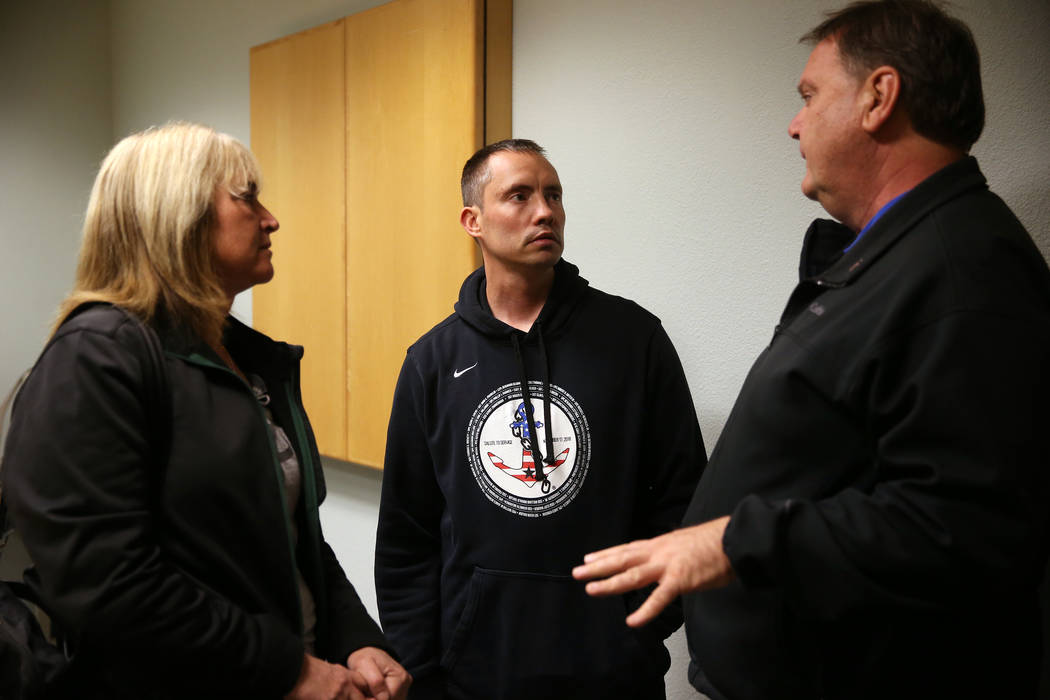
x,y
167,493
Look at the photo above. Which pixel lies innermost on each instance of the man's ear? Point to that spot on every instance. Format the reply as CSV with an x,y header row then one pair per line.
x,y
881,90
470,220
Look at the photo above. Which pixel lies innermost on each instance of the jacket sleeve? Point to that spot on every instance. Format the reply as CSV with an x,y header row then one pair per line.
x,y
674,461
956,415
352,626
347,626
81,477
408,545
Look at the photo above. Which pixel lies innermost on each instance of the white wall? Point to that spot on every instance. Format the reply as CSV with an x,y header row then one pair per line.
x,y
55,114
667,121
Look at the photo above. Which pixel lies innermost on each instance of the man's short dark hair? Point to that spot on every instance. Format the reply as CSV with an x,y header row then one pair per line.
x,y
476,171
934,53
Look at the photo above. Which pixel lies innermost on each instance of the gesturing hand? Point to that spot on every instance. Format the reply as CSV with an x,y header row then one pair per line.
x,y
680,561
379,676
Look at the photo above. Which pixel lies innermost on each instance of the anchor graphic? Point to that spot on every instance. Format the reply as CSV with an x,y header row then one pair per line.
x,y
527,473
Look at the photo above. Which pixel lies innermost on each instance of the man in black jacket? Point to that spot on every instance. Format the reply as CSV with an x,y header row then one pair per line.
x,y
873,521
541,420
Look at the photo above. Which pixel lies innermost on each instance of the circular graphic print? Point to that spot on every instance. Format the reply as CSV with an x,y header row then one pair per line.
x,y
505,456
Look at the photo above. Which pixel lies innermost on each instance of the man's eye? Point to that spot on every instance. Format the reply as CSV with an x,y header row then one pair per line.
x,y
555,196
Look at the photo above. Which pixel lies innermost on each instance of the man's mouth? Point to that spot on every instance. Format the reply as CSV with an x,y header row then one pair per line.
x,y
545,236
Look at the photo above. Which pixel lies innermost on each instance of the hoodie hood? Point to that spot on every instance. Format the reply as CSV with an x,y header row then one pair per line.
x,y
568,287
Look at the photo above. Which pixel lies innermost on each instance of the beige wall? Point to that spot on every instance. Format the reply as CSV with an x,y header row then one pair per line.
x,y
667,121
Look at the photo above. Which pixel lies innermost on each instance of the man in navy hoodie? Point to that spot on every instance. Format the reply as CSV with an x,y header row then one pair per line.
x,y
873,522
541,420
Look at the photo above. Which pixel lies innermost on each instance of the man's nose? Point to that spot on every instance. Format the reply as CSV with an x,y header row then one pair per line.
x,y
543,209
793,126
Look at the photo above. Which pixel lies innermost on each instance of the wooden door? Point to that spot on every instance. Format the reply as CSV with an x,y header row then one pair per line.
x,y
298,102
414,72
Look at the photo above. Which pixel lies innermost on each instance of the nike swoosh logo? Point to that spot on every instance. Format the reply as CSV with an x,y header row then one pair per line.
x,y
460,372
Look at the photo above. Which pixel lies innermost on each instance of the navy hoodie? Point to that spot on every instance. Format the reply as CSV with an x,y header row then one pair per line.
x,y
509,456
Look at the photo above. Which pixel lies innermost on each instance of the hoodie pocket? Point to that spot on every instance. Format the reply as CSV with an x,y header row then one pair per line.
x,y
525,635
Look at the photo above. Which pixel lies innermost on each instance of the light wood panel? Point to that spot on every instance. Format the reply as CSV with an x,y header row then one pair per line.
x,y
361,127
298,136
414,110
499,34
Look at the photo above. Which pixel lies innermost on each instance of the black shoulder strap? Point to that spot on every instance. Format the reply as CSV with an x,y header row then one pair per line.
x,y
5,411
157,388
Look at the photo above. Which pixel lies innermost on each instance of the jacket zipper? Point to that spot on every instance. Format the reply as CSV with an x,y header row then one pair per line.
x,y
278,474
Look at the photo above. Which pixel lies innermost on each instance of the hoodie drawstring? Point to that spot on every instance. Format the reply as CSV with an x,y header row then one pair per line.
x,y
538,458
549,459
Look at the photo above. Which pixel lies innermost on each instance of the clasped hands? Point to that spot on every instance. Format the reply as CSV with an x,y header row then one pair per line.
x,y
681,561
370,673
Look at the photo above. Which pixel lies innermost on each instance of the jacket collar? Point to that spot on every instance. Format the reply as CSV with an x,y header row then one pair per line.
x,y
258,353
252,350
822,257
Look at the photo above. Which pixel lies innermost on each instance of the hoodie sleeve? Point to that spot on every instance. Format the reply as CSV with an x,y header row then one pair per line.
x,y
79,475
676,460
408,546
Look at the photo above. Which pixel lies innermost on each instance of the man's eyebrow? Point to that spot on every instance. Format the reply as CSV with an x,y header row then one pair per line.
x,y
516,187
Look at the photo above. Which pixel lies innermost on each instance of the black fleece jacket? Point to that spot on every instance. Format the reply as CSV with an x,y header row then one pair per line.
x,y
164,550
885,466
487,506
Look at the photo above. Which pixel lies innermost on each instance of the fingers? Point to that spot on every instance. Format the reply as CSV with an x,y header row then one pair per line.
x,y
614,560
617,550
632,579
379,674
320,680
398,681
354,692
659,599
369,677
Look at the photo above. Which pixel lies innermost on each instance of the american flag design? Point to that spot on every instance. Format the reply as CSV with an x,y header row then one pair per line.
x,y
526,473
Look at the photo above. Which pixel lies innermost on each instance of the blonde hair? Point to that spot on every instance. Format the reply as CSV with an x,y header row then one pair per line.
x,y
147,243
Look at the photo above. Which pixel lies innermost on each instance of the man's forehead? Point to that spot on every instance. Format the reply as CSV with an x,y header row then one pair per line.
x,y
823,61
509,167
517,159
